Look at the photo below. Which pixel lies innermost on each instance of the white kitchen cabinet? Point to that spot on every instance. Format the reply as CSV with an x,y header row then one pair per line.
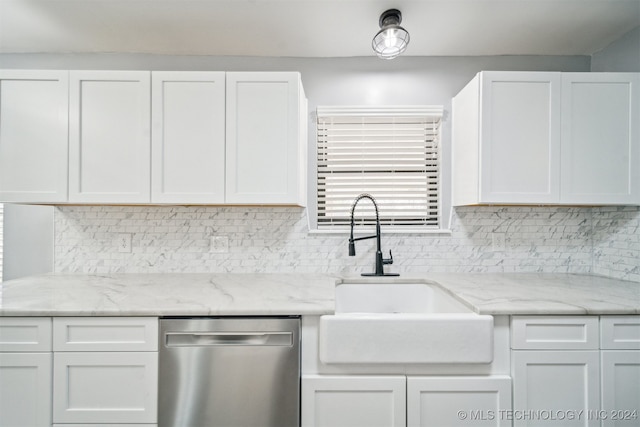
x,y
25,371
105,387
33,135
554,333
620,387
353,401
25,389
600,138
458,401
555,367
620,332
555,382
506,133
620,370
109,137
105,370
547,138
188,137
105,334
265,138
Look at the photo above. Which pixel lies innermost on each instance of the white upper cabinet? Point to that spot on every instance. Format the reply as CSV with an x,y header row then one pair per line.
x,y
109,137
546,138
520,122
600,148
506,131
137,137
33,136
266,138
188,137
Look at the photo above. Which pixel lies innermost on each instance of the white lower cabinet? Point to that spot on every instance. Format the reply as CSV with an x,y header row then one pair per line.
x,y
25,389
555,388
620,370
568,372
458,401
105,370
97,387
353,401
25,372
396,400
620,388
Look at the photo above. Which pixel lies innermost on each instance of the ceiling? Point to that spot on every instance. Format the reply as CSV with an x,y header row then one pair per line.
x,y
312,28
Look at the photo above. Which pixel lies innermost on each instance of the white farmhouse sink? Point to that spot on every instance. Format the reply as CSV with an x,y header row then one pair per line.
x,y
403,323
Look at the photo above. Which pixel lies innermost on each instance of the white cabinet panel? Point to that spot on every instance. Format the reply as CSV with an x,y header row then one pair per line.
x,y
25,389
188,139
555,332
25,334
520,137
556,382
265,141
621,388
458,401
620,332
97,387
105,334
547,137
353,401
600,134
33,135
109,137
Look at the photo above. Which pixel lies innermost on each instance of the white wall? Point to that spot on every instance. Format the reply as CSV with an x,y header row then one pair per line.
x,y
28,244
623,55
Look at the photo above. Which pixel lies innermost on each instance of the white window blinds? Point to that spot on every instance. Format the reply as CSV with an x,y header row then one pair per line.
x,y
392,153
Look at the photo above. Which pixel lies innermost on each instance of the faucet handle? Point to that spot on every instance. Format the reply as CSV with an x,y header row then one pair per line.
x,y
388,261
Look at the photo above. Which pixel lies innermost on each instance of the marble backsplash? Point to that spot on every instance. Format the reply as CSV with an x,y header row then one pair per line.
x,y
264,239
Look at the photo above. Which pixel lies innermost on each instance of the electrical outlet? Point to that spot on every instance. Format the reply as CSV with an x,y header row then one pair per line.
x,y
498,242
219,244
124,242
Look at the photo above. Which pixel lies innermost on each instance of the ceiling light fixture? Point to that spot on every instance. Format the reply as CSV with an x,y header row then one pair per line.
x,y
392,39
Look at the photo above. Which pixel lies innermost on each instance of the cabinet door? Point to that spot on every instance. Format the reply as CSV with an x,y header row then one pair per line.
x,y
33,135
25,389
105,387
621,388
25,334
520,137
554,332
620,332
264,153
109,137
458,401
188,137
105,333
353,401
600,138
555,382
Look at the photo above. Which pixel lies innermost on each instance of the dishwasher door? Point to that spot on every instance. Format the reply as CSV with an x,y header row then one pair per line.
x,y
229,372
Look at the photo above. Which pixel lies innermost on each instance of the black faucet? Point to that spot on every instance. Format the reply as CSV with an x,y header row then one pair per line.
x,y
380,262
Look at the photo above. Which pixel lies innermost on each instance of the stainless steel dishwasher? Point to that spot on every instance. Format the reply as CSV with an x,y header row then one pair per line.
x,y
229,372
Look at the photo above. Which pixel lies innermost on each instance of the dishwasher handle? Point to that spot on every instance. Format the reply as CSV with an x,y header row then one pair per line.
x,y
217,339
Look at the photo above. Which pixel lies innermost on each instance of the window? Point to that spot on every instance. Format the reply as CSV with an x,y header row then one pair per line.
x,y
392,153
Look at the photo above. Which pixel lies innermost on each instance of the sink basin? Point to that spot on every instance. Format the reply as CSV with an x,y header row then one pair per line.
x,y
403,323
396,298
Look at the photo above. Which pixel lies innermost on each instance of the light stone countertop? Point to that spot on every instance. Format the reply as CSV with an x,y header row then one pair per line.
x,y
301,294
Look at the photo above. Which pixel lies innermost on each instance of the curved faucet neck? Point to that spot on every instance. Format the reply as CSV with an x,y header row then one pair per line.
x,y
355,202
